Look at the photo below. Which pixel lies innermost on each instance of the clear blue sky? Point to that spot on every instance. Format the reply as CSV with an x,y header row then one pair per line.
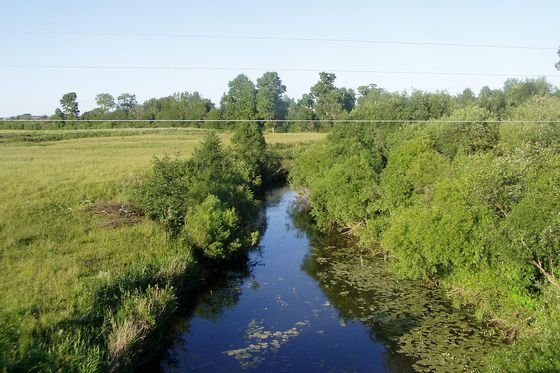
x,y
37,91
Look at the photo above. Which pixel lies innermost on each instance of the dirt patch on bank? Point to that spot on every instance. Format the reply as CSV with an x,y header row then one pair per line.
x,y
116,214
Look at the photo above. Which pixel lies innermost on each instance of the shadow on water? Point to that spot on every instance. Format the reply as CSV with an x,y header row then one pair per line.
x,y
305,301
410,317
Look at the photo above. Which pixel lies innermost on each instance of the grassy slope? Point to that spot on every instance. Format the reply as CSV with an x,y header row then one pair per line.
x,y
50,247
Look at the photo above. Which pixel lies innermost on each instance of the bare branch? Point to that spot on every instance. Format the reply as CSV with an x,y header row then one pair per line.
x,y
549,277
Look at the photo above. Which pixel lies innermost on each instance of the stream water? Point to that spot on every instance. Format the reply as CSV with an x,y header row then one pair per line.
x,y
313,303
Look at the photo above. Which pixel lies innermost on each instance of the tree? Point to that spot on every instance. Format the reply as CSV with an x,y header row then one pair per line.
x,y
301,113
59,117
194,105
105,101
347,98
249,148
331,102
269,103
127,101
558,63
466,98
365,90
518,91
70,105
240,101
492,100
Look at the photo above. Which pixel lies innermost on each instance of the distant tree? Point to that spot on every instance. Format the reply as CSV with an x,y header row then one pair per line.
x,y
558,63
466,98
364,90
518,91
347,98
301,111
492,100
214,116
330,102
105,101
269,102
240,100
127,101
59,117
69,105
194,105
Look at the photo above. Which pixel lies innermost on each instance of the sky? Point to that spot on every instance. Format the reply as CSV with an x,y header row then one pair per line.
x,y
84,33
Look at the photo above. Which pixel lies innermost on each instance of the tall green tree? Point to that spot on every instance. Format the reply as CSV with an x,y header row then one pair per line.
x,y
518,91
194,105
240,100
466,98
127,101
249,149
269,100
331,102
69,105
493,100
105,101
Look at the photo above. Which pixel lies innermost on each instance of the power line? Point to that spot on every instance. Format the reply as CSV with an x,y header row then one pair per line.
x,y
379,121
223,68
285,38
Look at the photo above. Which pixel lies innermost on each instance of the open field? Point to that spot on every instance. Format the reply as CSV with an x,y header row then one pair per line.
x,y
52,248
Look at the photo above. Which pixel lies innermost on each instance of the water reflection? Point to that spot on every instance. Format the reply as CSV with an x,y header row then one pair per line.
x,y
412,319
310,302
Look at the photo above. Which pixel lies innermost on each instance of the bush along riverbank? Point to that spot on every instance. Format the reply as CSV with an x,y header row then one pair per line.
x,y
471,206
207,218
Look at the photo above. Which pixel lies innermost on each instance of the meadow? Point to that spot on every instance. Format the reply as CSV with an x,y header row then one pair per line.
x,y
63,242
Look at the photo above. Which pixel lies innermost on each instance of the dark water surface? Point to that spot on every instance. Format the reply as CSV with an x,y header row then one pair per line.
x,y
310,303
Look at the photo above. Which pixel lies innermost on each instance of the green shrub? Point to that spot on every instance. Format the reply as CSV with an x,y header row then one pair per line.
x,y
473,132
534,353
163,193
459,203
206,198
213,229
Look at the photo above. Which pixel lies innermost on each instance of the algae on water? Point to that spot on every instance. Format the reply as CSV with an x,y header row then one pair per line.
x,y
414,320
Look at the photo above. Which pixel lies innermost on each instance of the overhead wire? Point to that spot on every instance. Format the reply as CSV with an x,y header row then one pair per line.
x,y
284,38
248,68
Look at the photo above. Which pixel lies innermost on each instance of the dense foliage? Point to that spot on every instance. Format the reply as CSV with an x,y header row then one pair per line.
x,y
208,200
267,103
473,206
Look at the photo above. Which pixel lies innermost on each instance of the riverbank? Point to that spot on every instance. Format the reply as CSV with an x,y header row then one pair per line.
x,y
472,207
316,302
87,279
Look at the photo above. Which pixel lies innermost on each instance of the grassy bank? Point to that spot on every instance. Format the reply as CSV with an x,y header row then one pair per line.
x,y
85,276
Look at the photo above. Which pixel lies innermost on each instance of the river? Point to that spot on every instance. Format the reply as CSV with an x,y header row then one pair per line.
x,y
314,303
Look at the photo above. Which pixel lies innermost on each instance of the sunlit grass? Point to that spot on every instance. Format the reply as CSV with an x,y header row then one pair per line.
x,y
49,246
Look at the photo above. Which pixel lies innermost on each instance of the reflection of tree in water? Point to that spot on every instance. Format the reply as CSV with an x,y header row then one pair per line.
x,y
417,323
221,290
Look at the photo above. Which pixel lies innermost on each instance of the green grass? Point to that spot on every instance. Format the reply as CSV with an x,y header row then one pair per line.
x,y
63,272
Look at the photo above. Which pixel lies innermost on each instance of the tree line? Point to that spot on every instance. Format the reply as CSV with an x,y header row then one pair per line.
x,y
267,102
